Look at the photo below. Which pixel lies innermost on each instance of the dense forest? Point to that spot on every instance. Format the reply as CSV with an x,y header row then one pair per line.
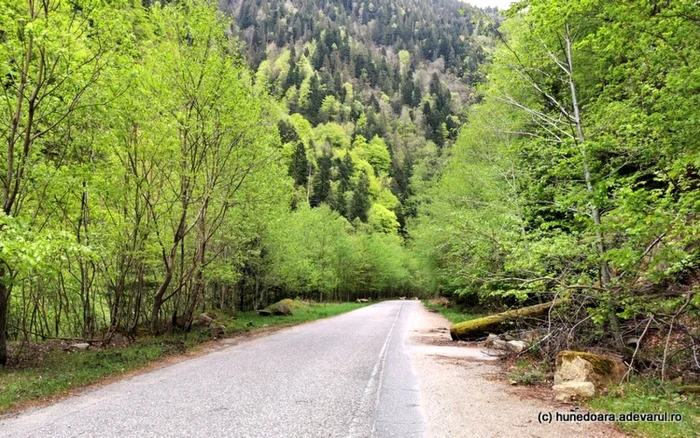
x,y
576,177
162,159
166,158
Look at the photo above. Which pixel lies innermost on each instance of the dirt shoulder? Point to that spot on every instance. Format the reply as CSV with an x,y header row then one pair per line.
x,y
462,396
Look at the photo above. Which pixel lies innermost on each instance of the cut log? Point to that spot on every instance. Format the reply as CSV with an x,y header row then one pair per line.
x,y
481,327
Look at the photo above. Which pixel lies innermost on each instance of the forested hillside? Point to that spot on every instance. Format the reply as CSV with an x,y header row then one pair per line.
x,y
576,177
387,82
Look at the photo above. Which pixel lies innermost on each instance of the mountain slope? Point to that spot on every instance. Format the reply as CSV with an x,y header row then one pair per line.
x,y
373,81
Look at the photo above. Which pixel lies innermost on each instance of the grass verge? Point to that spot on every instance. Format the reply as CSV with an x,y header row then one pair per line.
x,y
453,314
57,372
644,395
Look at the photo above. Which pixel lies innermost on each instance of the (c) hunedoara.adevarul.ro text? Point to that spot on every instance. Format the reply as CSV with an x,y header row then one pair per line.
x,y
597,417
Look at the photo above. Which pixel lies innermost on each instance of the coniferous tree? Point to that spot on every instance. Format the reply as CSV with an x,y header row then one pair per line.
x,y
287,132
293,76
299,167
360,199
321,181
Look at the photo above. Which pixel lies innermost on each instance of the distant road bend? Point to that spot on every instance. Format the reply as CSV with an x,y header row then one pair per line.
x,y
348,376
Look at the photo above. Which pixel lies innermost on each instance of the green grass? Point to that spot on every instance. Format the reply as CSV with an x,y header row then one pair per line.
x,y
528,372
648,396
59,371
452,313
246,321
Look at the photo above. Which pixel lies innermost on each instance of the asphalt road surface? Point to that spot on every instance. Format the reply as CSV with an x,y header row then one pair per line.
x,y
347,376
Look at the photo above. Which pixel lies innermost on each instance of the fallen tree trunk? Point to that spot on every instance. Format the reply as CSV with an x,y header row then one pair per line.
x,y
480,327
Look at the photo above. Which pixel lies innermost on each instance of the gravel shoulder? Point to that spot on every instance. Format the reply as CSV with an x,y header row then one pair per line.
x,y
462,398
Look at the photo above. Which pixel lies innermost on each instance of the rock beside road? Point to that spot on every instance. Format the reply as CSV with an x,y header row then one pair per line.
x,y
203,320
504,342
578,390
517,346
217,331
282,309
581,374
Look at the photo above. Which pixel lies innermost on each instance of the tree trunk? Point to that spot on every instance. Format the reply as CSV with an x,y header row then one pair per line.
x,y
4,309
480,327
158,298
605,276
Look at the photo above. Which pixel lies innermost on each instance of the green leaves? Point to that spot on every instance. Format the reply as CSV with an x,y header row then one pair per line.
x,y
545,182
30,252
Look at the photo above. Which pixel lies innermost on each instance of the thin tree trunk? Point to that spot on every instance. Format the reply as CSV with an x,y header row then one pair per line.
x,y
158,298
4,308
605,276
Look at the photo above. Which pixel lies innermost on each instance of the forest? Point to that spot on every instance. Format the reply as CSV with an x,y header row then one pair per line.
x,y
576,178
164,159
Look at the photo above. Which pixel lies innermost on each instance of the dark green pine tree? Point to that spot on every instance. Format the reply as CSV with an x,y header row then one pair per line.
x,y
417,94
407,91
293,76
287,132
322,182
345,168
360,199
299,167
316,96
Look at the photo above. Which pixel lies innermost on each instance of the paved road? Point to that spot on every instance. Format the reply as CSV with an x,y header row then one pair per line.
x,y
348,376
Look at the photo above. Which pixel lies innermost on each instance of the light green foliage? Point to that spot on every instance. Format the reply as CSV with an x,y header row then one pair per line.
x,y
304,92
404,60
264,73
375,153
153,165
305,67
303,128
577,171
388,199
382,219
470,222
282,65
349,93
331,134
315,253
330,109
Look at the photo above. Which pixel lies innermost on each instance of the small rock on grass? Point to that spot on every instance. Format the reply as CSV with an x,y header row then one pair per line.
x,y
203,320
282,309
